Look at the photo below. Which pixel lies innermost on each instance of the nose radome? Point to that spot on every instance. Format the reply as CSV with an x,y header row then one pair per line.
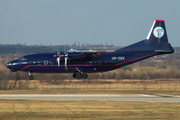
x,y
6,64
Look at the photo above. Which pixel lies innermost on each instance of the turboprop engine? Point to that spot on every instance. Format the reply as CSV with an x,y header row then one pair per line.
x,y
72,54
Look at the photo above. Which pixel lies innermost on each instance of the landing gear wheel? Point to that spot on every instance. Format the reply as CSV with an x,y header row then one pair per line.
x,y
74,75
31,77
85,76
78,75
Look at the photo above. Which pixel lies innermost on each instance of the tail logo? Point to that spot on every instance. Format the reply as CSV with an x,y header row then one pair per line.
x,y
158,32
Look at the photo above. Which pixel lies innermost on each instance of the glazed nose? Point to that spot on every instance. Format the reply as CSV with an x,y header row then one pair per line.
x,y
7,64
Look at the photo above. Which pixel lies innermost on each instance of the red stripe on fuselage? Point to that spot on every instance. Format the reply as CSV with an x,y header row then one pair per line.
x,y
90,64
136,59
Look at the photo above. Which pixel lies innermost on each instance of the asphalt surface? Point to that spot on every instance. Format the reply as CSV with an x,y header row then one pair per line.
x,y
92,97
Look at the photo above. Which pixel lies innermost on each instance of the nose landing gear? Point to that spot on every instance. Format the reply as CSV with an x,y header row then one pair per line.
x,y
80,75
31,77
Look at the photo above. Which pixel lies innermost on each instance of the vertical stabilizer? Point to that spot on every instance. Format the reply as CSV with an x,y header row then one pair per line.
x,y
156,40
157,33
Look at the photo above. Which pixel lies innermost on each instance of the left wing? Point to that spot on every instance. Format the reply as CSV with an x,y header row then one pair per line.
x,y
84,53
92,53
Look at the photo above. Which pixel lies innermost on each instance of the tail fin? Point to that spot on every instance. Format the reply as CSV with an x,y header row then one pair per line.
x,y
157,33
156,40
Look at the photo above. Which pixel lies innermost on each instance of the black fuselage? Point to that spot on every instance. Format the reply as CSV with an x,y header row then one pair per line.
x,y
82,62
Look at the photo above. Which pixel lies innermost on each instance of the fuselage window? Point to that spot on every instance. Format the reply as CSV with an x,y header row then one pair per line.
x,y
45,62
100,62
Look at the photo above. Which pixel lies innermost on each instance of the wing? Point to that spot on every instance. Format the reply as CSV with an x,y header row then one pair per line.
x,y
84,53
92,53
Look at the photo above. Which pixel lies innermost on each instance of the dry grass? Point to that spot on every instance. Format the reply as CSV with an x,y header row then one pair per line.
x,y
89,92
80,110
124,87
171,84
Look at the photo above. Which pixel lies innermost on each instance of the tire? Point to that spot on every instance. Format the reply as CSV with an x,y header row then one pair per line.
x,y
31,77
78,76
74,75
85,76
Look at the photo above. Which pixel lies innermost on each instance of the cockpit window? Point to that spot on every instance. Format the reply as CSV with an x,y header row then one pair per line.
x,y
22,59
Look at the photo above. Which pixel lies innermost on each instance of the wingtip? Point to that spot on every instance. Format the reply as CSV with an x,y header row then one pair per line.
x,y
99,52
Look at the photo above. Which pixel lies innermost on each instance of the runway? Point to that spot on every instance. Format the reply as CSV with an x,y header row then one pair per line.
x,y
93,97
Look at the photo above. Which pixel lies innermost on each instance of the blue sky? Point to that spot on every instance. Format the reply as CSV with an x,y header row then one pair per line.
x,y
121,22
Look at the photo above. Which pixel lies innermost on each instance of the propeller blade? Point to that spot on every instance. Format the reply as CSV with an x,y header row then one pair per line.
x,y
58,60
66,58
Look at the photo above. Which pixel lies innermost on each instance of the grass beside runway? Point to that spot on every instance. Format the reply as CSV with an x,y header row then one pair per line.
x,y
106,87
80,110
78,91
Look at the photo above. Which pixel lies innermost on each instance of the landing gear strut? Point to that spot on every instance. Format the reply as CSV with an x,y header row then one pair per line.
x,y
80,75
31,77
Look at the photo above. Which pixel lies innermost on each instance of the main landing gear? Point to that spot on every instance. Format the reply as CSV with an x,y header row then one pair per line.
x,y
31,77
80,75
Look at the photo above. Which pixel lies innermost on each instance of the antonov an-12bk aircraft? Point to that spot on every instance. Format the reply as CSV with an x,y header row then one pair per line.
x,y
82,62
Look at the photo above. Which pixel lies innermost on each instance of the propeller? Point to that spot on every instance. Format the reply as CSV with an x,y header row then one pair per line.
x,y
66,57
58,57
58,60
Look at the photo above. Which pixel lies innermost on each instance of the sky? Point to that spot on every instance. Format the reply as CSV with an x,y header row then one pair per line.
x,y
56,22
